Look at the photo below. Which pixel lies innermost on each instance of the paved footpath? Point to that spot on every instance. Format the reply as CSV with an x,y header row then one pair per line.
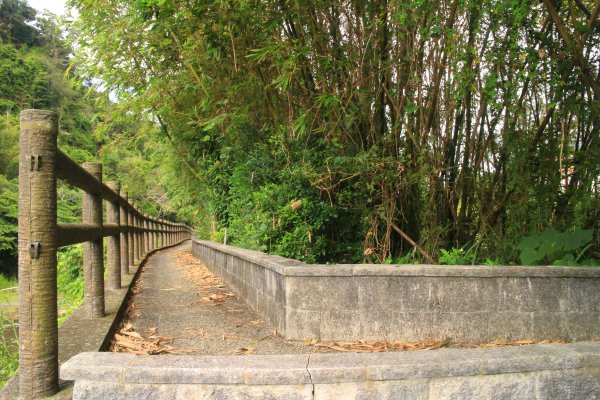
x,y
179,301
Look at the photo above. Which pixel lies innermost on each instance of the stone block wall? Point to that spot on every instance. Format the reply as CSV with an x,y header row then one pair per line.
x,y
471,304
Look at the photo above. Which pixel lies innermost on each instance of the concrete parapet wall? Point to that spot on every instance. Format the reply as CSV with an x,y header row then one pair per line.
x,y
568,371
411,302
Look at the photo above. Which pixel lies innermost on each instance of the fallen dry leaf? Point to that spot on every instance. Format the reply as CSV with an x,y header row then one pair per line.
x,y
242,351
296,205
217,298
129,341
151,331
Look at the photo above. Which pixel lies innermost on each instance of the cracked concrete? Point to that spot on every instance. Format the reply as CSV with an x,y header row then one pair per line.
x,y
543,372
310,376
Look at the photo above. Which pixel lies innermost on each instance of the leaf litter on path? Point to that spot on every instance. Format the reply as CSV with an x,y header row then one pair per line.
x,y
377,346
127,340
217,298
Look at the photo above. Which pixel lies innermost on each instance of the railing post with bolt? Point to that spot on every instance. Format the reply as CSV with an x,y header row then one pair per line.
x,y
38,328
132,240
154,235
138,237
140,225
93,252
113,245
124,218
147,246
161,234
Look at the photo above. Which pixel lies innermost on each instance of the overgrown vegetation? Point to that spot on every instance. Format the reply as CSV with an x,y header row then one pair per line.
x,y
9,359
450,124
35,72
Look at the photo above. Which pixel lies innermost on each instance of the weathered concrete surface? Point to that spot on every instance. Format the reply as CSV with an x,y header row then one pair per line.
x,y
473,304
570,371
169,303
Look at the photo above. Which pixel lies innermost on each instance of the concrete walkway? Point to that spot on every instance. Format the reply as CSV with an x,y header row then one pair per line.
x,y
178,301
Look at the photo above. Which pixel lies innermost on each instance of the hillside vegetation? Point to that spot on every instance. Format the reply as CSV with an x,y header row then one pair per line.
x,y
36,71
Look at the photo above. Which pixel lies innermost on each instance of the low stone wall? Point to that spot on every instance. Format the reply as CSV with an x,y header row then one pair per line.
x,y
411,302
539,372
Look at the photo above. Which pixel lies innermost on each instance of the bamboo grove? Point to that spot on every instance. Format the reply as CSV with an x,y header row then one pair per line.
x,y
364,130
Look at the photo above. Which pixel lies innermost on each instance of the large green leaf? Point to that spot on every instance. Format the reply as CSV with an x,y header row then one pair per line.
x,y
577,239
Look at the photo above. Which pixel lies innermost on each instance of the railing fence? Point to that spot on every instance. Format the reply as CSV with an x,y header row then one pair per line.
x,y
131,235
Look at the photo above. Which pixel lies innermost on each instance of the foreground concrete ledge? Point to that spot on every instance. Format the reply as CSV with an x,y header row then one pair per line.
x,y
569,371
329,367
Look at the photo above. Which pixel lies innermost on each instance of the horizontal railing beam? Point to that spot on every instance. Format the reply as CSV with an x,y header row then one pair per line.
x,y
75,175
69,234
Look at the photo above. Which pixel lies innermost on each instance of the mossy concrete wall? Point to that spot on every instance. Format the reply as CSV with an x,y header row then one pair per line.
x,y
411,302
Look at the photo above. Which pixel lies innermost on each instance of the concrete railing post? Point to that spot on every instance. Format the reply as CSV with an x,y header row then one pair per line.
x,y
150,239
162,234
138,238
124,217
113,245
159,243
150,236
154,235
140,225
38,328
144,242
93,262
142,233
131,236
146,234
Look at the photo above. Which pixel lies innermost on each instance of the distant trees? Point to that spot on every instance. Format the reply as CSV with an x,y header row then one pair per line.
x,y
35,72
437,123
16,17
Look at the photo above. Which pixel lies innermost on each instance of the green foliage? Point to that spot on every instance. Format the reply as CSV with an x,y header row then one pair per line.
x,y
491,262
408,258
456,256
9,355
8,215
9,147
556,248
263,104
69,280
16,17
